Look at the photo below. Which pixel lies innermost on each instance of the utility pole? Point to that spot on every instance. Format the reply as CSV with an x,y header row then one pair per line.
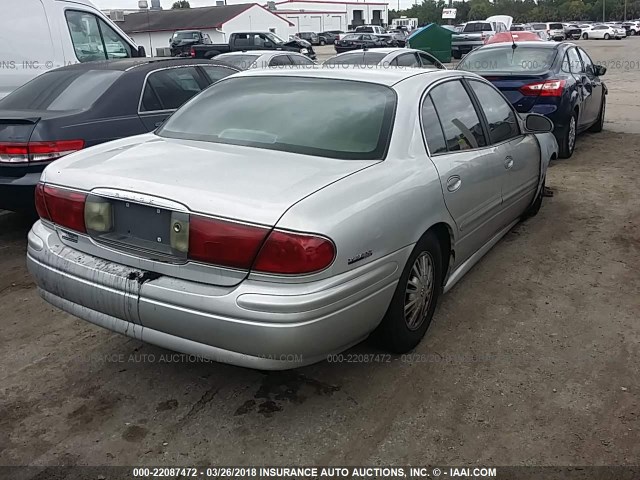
x,y
603,16
625,10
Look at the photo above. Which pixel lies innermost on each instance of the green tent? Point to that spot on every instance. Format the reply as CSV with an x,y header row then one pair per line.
x,y
433,39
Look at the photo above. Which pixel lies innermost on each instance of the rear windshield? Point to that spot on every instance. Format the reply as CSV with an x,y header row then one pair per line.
x,y
350,120
361,58
523,60
539,26
61,90
556,26
517,28
243,62
477,27
186,36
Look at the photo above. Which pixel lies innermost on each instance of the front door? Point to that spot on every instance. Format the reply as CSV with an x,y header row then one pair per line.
x,y
519,153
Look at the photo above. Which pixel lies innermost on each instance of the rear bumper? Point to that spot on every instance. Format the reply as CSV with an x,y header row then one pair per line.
x,y
257,324
17,193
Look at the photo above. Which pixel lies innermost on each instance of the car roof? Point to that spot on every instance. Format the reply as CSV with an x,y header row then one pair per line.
x,y
548,45
254,52
139,64
385,51
379,75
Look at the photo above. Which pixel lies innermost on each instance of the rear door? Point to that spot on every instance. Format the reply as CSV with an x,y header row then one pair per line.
x,y
469,168
165,90
518,153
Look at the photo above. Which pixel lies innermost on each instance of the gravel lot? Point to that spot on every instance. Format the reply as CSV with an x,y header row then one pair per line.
x,y
532,359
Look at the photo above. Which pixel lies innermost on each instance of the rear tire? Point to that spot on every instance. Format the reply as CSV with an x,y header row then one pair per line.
x,y
322,43
414,301
597,127
568,142
585,36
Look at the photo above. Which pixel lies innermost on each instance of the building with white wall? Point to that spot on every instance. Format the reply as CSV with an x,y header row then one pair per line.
x,y
323,15
153,29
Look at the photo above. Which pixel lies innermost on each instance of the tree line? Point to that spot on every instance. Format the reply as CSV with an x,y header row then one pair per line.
x,y
430,11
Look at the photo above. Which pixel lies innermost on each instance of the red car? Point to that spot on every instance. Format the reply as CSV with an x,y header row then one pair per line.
x,y
510,37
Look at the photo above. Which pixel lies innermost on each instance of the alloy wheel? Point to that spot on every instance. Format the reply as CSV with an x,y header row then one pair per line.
x,y
419,291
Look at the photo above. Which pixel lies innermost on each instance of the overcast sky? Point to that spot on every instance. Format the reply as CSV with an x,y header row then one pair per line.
x,y
115,4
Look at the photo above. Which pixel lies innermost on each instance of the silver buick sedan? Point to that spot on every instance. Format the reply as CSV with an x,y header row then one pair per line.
x,y
282,216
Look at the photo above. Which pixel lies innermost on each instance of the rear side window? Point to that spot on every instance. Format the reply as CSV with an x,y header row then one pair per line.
x,y
460,122
366,59
93,39
268,112
215,73
279,61
501,119
406,60
431,128
66,89
169,89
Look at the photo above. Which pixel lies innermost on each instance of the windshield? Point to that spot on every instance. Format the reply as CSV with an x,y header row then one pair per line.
x,y
351,120
243,62
525,60
274,38
351,37
477,27
361,58
71,89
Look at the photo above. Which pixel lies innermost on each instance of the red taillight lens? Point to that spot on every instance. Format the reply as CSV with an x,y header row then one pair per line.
x,y
224,243
63,207
193,52
41,206
293,253
38,151
548,88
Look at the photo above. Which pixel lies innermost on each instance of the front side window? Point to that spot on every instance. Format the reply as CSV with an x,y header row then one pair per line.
x,y
93,39
575,64
169,89
501,118
241,61
588,64
267,112
301,60
460,123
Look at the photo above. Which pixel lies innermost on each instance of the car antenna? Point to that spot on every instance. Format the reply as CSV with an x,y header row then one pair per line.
x,y
513,42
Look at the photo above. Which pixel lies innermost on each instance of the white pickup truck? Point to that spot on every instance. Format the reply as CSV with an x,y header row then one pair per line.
x,y
474,34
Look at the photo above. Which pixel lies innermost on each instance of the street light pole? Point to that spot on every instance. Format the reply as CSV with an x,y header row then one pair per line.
x,y
603,16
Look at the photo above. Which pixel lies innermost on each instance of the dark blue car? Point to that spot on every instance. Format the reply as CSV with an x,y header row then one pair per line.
x,y
558,80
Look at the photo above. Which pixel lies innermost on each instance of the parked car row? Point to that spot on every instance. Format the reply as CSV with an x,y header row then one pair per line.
x,y
279,215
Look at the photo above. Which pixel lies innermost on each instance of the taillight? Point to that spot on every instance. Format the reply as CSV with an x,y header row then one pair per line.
x,y
38,151
62,207
548,88
193,52
294,253
41,206
224,243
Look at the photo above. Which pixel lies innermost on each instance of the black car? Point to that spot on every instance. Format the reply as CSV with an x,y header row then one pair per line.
x,y
357,41
558,80
330,36
78,106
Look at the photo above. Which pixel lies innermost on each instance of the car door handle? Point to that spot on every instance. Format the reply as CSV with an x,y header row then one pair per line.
x,y
508,163
453,183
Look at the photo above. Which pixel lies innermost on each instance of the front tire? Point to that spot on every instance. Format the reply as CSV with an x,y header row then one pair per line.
x,y
585,36
414,301
607,36
322,43
457,55
599,125
568,142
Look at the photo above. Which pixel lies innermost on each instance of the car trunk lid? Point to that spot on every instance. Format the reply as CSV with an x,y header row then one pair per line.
x,y
154,183
510,84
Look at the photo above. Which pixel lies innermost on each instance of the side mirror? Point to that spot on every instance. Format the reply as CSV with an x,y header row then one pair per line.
x,y
599,70
142,52
536,123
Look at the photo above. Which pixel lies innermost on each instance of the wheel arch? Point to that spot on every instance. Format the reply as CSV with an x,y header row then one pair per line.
x,y
444,234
